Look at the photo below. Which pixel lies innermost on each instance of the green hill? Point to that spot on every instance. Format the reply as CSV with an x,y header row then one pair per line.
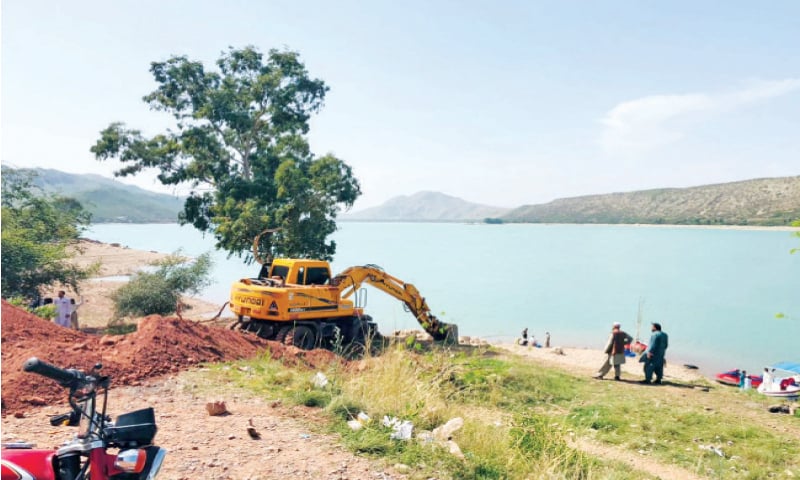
x,y
109,200
764,201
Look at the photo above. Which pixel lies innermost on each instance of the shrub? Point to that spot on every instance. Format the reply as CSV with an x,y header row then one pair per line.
x,y
160,291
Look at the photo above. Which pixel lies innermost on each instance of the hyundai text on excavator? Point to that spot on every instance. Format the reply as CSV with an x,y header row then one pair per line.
x,y
298,302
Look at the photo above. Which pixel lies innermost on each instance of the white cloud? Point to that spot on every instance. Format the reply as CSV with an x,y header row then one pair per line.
x,y
649,122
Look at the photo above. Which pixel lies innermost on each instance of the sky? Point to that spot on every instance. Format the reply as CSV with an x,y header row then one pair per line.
x,y
501,103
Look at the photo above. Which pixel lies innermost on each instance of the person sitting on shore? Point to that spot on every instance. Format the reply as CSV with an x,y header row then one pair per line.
x,y
524,340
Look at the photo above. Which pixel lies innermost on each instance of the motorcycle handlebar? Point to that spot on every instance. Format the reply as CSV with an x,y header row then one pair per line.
x,y
66,378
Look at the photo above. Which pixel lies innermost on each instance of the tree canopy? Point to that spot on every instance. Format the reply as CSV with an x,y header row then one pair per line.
x,y
240,144
36,232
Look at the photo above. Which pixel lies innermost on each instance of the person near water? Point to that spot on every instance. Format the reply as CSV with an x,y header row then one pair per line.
x,y
653,357
768,379
615,351
63,309
547,340
524,340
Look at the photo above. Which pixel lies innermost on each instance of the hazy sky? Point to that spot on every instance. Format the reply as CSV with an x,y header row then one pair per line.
x,y
502,103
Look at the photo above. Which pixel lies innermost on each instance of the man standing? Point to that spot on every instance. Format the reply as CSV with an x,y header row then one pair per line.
x,y
653,357
73,316
63,309
615,349
524,340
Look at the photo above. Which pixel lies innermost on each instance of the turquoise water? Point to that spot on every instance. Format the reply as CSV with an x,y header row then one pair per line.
x,y
716,292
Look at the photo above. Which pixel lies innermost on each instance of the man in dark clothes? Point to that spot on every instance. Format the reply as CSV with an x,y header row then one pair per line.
x,y
653,357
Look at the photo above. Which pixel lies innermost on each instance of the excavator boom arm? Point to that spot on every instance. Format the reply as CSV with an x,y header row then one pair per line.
x,y
351,279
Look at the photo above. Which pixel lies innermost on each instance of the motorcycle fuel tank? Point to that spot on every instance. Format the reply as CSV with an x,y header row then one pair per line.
x,y
27,464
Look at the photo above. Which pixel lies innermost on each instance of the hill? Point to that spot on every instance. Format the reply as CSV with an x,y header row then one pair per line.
x,y
109,200
426,207
764,201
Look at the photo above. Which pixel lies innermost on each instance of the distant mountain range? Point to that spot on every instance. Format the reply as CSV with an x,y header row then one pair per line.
x,y
426,207
109,200
765,201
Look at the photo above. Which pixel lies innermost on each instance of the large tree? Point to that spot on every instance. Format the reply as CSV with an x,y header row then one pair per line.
x,y
38,233
239,143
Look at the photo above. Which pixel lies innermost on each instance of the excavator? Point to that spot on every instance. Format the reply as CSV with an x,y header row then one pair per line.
x,y
297,302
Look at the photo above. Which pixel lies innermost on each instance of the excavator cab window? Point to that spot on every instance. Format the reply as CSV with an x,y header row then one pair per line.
x,y
264,272
280,271
318,276
300,274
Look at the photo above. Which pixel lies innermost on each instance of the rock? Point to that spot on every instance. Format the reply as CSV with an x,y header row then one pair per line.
x,y
37,401
19,415
216,408
445,432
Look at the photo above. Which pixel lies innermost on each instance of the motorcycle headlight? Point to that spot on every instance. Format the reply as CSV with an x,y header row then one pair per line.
x,y
131,461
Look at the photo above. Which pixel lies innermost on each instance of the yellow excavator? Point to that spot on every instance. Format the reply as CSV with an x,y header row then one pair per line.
x,y
297,302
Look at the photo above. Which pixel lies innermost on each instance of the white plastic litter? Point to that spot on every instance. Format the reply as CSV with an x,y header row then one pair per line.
x,y
402,429
360,420
320,380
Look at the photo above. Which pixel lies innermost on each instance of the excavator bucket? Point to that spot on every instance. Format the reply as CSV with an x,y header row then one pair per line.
x,y
447,333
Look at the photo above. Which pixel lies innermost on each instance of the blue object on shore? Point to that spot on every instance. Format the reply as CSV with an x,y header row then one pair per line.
x,y
793,367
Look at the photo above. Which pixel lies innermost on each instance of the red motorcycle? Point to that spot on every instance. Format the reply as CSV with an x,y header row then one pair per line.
x,y
86,456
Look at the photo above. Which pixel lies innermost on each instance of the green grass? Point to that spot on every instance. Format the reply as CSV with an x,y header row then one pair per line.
x,y
519,417
674,430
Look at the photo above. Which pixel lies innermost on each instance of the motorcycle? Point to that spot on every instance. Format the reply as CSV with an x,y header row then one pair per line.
x,y
86,456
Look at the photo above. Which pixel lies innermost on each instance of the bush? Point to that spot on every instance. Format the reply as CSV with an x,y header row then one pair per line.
x,y
48,312
159,292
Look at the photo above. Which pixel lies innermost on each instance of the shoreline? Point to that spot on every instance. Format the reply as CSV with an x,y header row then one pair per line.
x,y
586,361
761,228
116,262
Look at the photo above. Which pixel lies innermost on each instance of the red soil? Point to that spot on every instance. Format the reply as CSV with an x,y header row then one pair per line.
x,y
160,346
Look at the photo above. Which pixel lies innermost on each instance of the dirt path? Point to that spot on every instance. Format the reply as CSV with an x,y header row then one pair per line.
x,y
636,461
202,446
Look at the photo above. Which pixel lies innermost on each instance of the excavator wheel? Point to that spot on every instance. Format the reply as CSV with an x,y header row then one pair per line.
x,y
302,337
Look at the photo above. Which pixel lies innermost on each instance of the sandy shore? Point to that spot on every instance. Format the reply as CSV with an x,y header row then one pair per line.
x,y
587,361
116,262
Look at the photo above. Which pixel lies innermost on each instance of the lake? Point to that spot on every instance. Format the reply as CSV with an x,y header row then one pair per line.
x,y
716,292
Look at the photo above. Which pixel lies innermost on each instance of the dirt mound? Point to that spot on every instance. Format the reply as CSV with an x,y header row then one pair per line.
x,y
159,346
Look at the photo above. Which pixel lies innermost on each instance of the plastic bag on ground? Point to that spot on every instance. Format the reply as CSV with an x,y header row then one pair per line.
x,y
320,380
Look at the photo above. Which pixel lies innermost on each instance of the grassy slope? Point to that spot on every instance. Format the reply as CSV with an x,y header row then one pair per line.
x,y
523,420
766,201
